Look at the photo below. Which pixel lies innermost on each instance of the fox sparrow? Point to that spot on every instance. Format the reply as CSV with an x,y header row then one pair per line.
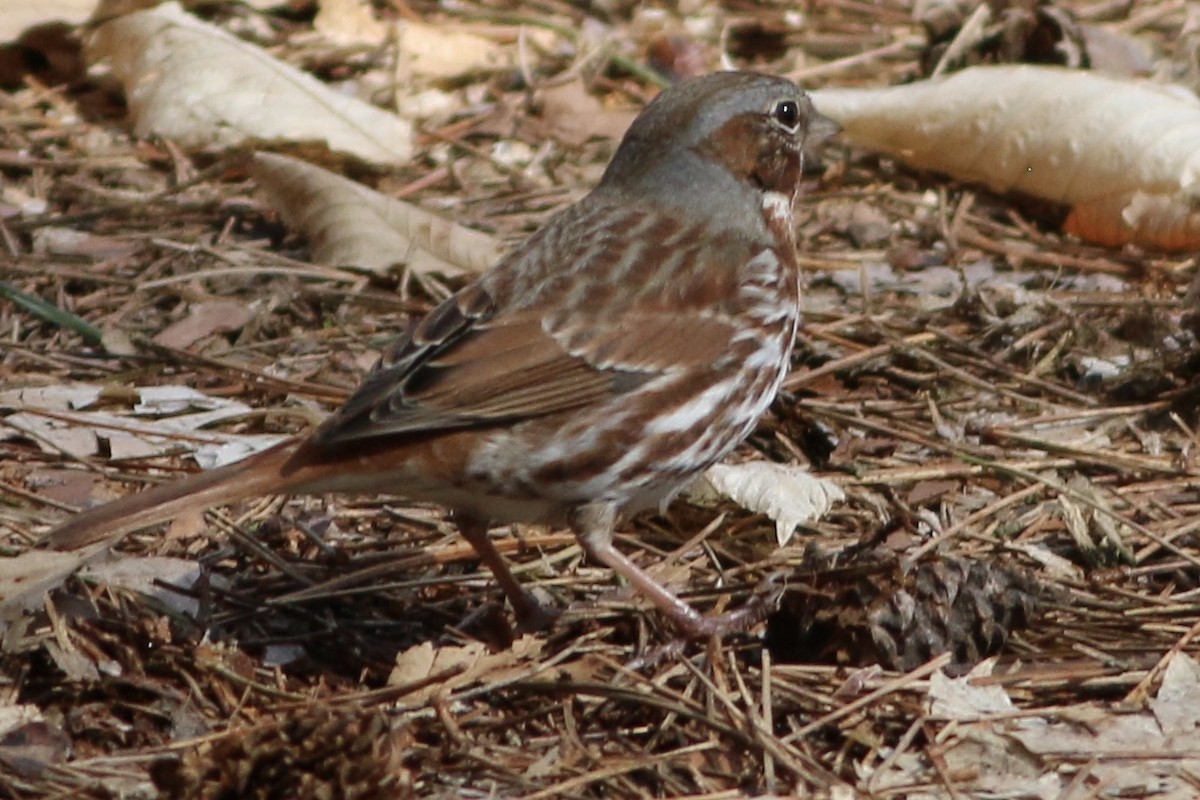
x,y
623,349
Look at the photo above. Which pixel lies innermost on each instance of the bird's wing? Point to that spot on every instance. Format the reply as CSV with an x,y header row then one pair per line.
x,y
467,365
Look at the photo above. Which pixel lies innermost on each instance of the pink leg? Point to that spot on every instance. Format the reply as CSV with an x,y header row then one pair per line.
x,y
531,615
594,526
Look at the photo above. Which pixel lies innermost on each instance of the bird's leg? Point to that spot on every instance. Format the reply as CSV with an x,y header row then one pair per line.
x,y
531,615
593,525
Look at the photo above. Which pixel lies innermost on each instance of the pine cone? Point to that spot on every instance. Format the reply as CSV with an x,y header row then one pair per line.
x,y
900,619
312,753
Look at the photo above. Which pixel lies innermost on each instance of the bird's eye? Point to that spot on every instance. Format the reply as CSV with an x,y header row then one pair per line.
x,y
787,114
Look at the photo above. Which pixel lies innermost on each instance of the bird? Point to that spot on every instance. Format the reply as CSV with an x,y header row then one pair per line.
x,y
593,372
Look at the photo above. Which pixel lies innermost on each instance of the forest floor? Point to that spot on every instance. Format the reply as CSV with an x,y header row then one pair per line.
x,y
1005,604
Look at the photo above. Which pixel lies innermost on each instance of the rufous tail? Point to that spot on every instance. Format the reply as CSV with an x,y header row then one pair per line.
x,y
261,474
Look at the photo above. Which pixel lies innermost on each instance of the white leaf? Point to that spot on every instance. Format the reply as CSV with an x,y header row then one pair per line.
x,y
1121,153
349,224
445,51
145,574
1054,564
463,664
16,16
790,495
25,579
350,22
963,699
181,416
198,85
51,398
1177,704
52,435
14,716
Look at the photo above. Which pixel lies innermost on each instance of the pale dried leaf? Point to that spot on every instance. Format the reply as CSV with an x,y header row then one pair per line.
x,y
1056,566
1006,753
168,400
444,51
59,241
26,203
574,115
1117,53
1077,525
348,224
29,749
1110,537
118,343
1106,736
350,22
1177,704
1081,436
51,435
182,414
963,699
15,715
17,16
1121,152
144,575
999,766
1086,728
189,524
428,103
789,495
198,85
71,486
204,320
1098,370
25,579
61,397
471,663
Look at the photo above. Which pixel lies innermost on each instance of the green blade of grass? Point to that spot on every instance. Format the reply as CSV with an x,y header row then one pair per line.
x,y
50,312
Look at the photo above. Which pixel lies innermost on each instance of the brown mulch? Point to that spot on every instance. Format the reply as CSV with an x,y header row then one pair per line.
x,y
1011,413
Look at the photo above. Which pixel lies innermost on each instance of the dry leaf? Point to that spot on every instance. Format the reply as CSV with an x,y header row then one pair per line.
x,y
204,320
350,22
145,574
1100,539
181,416
996,765
1177,704
348,224
52,435
62,397
442,52
198,85
1055,565
1012,755
28,750
57,241
472,661
963,699
1165,756
789,495
13,716
25,579
1117,53
18,16
71,486
573,115
1121,153
22,201
187,525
